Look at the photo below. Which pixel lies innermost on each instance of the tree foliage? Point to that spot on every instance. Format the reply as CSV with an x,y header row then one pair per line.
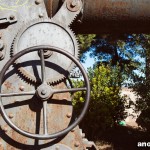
x,y
128,56
85,41
106,106
142,85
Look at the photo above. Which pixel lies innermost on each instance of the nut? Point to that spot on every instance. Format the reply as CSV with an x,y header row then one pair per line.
x,y
74,5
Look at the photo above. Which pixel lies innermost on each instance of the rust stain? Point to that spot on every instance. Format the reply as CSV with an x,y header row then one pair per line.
x,y
8,85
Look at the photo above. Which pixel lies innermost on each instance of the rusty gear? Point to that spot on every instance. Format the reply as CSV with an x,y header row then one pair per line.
x,y
52,34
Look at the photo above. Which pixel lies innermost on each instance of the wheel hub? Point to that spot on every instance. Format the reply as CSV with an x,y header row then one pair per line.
x,y
44,92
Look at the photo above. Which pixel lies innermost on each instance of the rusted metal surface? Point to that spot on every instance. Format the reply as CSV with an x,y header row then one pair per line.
x,y
28,114
112,16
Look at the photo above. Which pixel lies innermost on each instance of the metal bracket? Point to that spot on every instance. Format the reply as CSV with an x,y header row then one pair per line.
x,y
68,12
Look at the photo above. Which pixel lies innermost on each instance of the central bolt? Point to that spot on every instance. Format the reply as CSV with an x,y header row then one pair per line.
x,y
74,3
43,92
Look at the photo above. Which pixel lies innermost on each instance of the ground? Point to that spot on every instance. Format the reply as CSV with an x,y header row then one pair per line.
x,y
122,138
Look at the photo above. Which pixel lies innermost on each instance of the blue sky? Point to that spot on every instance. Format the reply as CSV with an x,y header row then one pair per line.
x,y
88,62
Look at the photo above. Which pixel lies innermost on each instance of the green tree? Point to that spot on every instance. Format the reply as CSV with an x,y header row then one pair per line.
x,y
85,41
141,85
106,106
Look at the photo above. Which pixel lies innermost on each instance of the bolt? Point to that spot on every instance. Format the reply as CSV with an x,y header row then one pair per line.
x,y
69,115
1,56
12,17
41,15
43,92
5,129
74,3
11,115
76,144
38,2
21,88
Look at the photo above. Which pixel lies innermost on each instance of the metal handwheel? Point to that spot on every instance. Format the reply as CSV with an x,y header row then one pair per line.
x,y
45,92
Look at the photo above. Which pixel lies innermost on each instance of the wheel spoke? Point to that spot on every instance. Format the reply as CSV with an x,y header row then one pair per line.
x,y
17,94
69,90
45,117
43,73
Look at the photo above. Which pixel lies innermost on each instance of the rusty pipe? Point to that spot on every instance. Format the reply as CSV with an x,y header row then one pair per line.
x,y
109,16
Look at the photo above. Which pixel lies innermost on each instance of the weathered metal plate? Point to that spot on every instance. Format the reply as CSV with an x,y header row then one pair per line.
x,y
26,113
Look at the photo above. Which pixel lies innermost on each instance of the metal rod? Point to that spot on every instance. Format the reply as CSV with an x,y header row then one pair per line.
x,y
109,16
43,74
45,117
17,94
69,90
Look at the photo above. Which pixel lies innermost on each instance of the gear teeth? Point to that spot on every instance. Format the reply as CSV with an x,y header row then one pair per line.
x,y
23,73
73,20
56,82
76,42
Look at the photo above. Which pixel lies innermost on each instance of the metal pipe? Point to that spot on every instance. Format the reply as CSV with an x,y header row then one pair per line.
x,y
111,16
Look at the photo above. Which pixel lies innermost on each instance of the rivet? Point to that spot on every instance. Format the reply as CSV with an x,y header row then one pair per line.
x,y
5,129
38,2
21,88
69,115
11,115
12,17
57,148
41,15
76,144
72,130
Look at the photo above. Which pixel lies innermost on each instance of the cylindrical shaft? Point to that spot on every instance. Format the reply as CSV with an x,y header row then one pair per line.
x,y
111,16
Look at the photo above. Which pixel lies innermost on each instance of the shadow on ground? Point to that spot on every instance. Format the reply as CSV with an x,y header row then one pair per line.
x,y
123,138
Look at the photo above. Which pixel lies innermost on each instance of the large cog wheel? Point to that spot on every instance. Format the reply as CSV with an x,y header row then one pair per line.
x,y
45,32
